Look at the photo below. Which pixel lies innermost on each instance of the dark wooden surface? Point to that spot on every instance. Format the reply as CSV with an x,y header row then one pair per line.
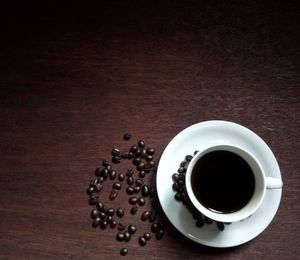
x,y
74,78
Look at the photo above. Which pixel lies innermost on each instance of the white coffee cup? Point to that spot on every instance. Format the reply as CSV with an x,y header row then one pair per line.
x,y
262,183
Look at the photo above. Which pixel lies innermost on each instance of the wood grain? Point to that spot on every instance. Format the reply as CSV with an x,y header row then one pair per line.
x,y
75,77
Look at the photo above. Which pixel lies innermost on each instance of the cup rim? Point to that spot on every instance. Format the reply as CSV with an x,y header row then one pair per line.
x,y
232,216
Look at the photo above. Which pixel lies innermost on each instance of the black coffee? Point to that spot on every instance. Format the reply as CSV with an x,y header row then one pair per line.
x,y
222,181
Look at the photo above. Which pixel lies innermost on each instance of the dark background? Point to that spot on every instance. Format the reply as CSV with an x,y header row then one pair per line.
x,y
75,77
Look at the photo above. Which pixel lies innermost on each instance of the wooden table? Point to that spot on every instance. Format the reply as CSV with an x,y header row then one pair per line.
x,y
75,77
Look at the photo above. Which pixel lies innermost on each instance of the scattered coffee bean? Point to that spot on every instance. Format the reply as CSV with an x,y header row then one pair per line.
x,y
115,151
120,212
138,152
104,224
178,196
220,226
90,190
143,153
189,158
151,164
104,173
149,158
94,213
113,194
142,241
116,159
133,210
109,219
92,201
94,195
99,205
109,168
137,189
132,200
100,179
161,225
196,152
175,186
123,251
199,223
102,215
121,227
145,190
120,236
133,149
181,170
98,187
113,224
142,174
146,215
136,160
159,234
112,174
141,166
130,180
147,236
141,144
121,177
150,151
180,182
96,222
154,227
110,212
125,155
105,162
131,229
127,236
139,182
117,186
141,201
130,190
207,220
153,216
93,182
129,172
127,136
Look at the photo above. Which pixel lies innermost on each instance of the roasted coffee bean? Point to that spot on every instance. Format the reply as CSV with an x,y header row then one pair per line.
x,y
92,201
129,172
98,187
207,220
104,224
131,229
152,192
142,241
180,182
181,170
141,166
142,174
227,223
136,160
100,179
151,164
133,149
130,180
161,225
113,224
112,174
99,206
196,152
183,163
141,201
137,189
98,171
110,212
138,153
109,168
143,153
175,186
133,210
109,219
132,200
96,222
127,136
127,236
90,190
105,162
159,234
145,190
147,236
199,223
120,212
113,194
104,173
220,226
149,158
146,215
139,182
94,213
130,190
121,177
120,236
102,215
141,144
116,159
188,158
123,251
94,195
178,196
117,186
125,155
115,151
154,227
121,227
150,151
93,182
175,177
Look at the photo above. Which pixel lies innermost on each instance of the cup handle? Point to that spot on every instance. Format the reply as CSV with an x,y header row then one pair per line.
x,y
273,183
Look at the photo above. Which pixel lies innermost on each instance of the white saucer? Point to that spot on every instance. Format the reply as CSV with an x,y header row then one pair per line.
x,y
194,138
